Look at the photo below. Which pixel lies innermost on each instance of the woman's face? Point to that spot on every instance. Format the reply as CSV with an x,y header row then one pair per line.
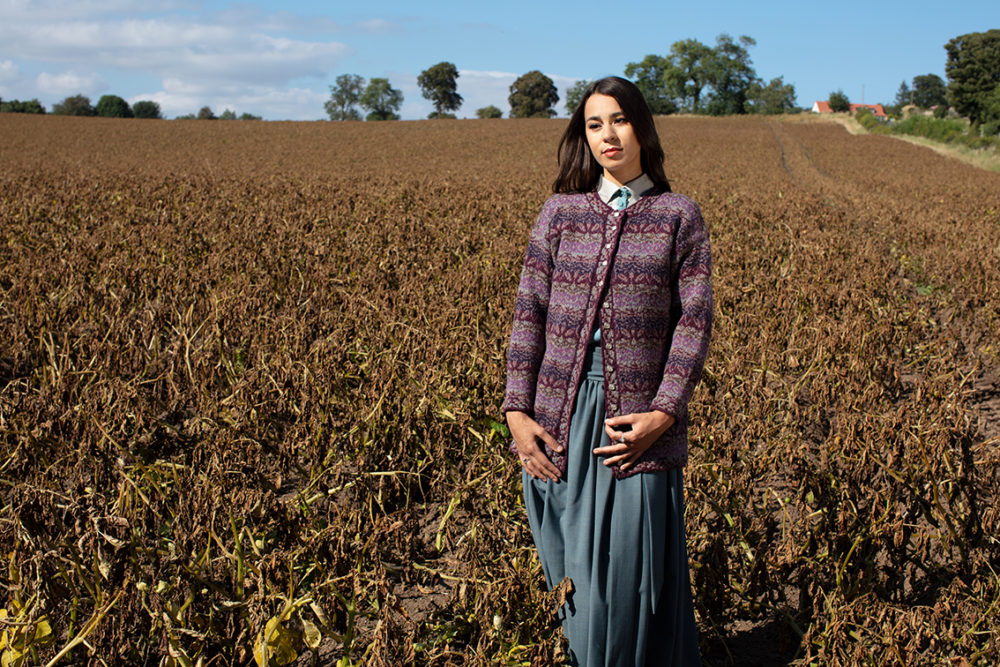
x,y
612,139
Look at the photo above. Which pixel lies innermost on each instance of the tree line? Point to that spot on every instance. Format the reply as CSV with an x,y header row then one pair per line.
x,y
112,106
696,78
693,77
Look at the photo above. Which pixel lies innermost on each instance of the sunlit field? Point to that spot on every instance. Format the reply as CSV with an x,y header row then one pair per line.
x,y
250,379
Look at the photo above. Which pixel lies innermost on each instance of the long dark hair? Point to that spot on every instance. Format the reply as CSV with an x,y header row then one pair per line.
x,y
578,168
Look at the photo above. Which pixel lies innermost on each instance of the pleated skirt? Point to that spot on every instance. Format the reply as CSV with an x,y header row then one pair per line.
x,y
622,544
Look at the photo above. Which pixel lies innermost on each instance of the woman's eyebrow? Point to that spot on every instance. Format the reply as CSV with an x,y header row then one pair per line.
x,y
613,116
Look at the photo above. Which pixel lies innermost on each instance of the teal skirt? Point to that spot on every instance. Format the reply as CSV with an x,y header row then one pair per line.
x,y
622,544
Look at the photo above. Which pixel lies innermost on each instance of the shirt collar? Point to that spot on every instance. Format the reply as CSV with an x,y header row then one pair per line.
x,y
639,186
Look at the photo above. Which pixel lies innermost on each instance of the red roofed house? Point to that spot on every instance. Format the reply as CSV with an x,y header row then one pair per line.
x,y
824,107
877,109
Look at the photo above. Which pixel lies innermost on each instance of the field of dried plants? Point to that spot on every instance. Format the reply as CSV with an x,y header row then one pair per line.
x,y
250,376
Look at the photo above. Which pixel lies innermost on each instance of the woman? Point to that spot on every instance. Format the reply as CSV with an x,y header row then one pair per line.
x,y
610,333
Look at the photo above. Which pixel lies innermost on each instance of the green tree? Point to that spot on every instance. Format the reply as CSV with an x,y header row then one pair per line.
x,y
650,77
146,109
438,85
205,113
929,90
991,126
904,96
774,98
249,116
689,72
19,106
227,114
344,97
838,101
112,106
187,116
381,100
575,94
533,95
973,70
730,73
490,111
75,105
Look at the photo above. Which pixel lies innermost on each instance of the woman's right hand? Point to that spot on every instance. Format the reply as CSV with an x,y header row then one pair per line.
x,y
526,433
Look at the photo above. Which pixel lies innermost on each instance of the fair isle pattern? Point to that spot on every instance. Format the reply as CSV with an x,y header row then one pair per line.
x,y
645,272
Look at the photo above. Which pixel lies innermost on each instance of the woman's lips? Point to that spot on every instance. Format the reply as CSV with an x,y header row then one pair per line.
x,y
611,152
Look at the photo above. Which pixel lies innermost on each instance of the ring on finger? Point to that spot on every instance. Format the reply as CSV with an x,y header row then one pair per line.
x,y
621,438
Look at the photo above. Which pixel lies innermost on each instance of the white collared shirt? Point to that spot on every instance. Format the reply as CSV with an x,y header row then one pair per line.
x,y
606,188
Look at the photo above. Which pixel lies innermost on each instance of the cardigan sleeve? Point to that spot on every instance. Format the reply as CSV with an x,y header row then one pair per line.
x,y
527,337
691,289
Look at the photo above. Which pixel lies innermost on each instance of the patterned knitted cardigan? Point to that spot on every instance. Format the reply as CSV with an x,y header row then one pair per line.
x,y
645,272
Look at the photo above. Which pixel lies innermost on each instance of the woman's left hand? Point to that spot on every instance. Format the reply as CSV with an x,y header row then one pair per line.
x,y
627,446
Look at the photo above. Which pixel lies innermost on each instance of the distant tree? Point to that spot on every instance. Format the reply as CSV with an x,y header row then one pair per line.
x,y
689,72
929,91
489,112
650,77
904,96
730,73
532,95
227,114
838,101
344,97
991,126
438,85
75,105
973,70
575,94
381,100
774,98
249,116
19,106
112,106
187,116
206,113
146,109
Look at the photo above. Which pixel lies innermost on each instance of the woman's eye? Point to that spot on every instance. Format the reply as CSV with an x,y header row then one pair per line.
x,y
621,119
593,126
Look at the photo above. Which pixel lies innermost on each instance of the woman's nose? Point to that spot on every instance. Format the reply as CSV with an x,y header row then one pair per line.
x,y
609,132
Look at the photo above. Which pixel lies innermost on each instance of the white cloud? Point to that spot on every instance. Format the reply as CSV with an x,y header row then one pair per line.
x,y
46,10
9,71
177,47
69,83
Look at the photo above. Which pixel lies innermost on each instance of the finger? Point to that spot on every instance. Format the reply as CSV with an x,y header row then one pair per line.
x,y
619,437
612,449
544,469
622,420
548,439
538,465
625,459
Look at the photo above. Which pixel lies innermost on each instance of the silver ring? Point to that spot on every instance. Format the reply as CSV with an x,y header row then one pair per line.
x,y
523,461
621,438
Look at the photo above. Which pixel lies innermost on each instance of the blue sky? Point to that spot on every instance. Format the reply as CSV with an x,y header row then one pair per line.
x,y
277,59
